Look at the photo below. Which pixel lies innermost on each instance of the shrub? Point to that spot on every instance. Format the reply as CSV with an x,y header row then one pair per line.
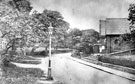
x,y
116,61
41,53
86,48
75,53
5,59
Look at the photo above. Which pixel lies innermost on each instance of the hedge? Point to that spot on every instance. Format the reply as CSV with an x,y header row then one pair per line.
x,y
116,61
46,53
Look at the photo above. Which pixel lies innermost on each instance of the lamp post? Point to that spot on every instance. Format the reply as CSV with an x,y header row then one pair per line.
x,y
49,76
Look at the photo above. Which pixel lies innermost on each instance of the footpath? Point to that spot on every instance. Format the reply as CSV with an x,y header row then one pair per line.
x,y
105,69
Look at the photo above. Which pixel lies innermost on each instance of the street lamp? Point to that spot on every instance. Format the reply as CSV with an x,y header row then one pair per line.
x,y
50,41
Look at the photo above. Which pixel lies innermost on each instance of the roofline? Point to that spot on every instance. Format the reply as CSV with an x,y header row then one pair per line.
x,y
115,18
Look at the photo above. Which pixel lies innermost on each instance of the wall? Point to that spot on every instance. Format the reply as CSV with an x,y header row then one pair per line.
x,y
114,44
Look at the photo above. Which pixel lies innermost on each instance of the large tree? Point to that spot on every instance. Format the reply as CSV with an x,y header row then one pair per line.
x,y
15,22
82,40
50,18
130,37
90,36
74,36
22,29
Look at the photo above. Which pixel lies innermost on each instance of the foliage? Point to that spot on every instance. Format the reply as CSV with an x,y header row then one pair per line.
x,y
21,5
131,18
73,37
90,36
50,18
84,47
130,37
82,41
24,30
15,24
116,61
75,32
45,53
126,37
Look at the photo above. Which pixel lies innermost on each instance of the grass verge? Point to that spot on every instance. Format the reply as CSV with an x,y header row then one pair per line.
x,y
16,75
26,60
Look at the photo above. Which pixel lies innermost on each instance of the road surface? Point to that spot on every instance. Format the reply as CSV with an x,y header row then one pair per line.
x,y
71,72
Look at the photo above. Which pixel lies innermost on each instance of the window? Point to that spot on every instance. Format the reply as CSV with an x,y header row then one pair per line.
x,y
116,41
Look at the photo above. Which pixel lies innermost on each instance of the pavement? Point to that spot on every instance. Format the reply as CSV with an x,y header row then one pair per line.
x,y
69,70
106,69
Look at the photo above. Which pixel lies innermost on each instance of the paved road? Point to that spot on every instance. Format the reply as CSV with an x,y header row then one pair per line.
x,y
72,72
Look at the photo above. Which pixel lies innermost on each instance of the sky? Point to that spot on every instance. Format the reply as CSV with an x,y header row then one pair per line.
x,y
85,14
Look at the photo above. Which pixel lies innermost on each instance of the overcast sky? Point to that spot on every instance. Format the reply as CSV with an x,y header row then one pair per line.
x,y
85,14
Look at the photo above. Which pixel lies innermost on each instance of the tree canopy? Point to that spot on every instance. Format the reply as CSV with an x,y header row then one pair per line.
x,y
130,37
14,24
82,40
43,21
22,29
74,36
90,36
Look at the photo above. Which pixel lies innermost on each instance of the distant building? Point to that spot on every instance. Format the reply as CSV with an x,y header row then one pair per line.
x,y
112,28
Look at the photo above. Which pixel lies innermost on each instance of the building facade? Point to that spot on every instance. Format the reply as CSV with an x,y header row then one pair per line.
x,y
112,28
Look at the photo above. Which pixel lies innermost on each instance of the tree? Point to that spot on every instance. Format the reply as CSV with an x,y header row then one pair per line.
x,y
21,5
15,25
74,36
14,22
131,16
22,29
84,47
82,41
130,37
90,36
43,21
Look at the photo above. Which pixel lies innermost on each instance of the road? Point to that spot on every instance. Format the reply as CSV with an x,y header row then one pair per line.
x,y
71,72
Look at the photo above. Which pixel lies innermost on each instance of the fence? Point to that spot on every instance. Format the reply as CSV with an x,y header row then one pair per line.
x,y
125,52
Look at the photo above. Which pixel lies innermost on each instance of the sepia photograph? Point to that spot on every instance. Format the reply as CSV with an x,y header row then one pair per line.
x,y
67,41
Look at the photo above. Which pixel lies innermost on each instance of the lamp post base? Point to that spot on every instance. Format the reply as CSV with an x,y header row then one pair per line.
x,y
49,76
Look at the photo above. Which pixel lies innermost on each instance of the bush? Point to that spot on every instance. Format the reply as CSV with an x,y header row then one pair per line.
x,y
60,51
45,53
121,62
41,53
75,53
86,48
5,59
